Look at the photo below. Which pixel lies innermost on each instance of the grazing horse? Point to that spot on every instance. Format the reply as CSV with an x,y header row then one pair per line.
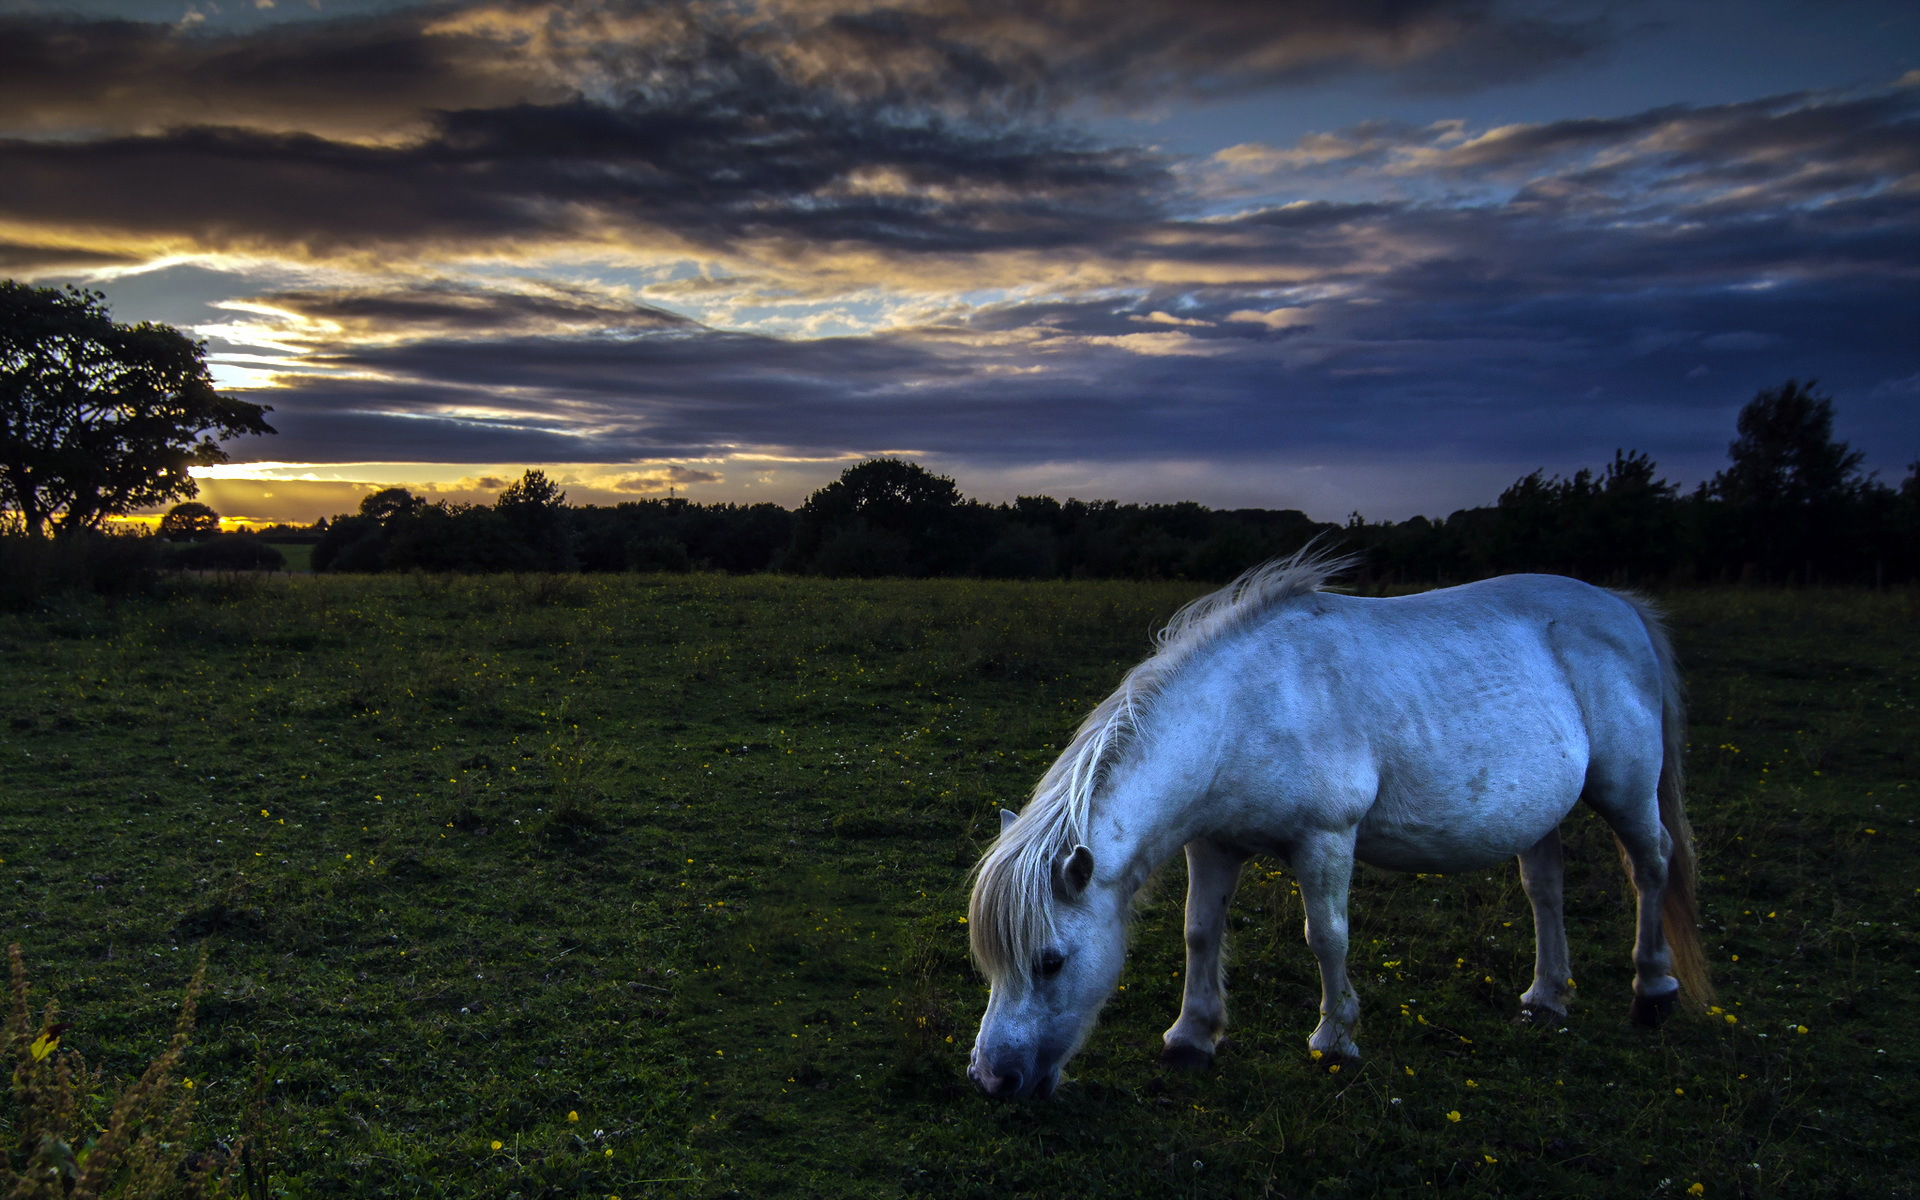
x,y
1439,732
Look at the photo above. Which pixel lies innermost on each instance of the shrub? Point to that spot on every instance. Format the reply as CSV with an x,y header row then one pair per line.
x,y
236,552
140,1151
33,569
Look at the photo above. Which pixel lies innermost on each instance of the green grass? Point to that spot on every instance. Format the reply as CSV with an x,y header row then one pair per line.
x,y
685,856
299,556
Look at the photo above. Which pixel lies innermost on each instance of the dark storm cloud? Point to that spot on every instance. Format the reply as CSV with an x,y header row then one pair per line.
x,y
378,71
1508,328
1557,287
1558,377
367,75
324,435
452,309
1794,147
1054,51
916,126
37,260
710,170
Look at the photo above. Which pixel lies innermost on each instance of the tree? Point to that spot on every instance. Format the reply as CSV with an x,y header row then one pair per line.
x,y
881,517
98,418
391,504
189,522
1785,456
1789,485
535,508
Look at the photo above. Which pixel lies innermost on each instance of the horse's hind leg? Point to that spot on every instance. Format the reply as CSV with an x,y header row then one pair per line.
x,y
1212,873
1542,873
1324,864
1647,847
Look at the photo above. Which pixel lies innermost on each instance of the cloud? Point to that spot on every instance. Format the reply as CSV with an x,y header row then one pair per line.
x,y
1909,386
1133,51
613,233
428,308
662,127
27,259
379,75
1162,318
657,481
1740,339
698,175
1753,155
372,76
1278,318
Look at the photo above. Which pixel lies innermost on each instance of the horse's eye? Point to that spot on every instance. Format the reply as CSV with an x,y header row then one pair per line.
x,y
1050,964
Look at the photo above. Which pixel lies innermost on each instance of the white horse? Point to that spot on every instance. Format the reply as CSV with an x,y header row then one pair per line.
x,y
1439,732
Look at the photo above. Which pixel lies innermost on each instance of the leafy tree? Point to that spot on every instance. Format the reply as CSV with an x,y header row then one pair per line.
x,y
389,505
189,522
883,517
1785,456
533,491
887,494
536,509
98,418
1789,486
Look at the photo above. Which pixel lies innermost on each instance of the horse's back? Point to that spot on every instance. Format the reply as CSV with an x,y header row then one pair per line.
x,y
1463,722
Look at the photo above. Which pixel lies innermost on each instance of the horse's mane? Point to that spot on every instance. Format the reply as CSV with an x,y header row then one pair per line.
x,y
1010,917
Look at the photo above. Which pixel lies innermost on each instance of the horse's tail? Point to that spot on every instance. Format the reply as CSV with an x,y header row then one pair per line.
x,y
1679,915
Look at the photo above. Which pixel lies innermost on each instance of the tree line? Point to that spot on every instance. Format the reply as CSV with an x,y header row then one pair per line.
x,y
1792,505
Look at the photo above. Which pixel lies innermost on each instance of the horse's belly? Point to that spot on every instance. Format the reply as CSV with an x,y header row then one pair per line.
x,y
1465,827
1437,855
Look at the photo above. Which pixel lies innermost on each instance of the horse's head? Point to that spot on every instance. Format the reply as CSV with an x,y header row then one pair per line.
x,y
1050,971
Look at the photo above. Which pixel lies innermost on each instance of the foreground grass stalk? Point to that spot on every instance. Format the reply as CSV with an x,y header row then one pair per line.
x,y
142,1150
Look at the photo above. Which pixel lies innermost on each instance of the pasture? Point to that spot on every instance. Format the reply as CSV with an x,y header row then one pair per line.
x,y
632,886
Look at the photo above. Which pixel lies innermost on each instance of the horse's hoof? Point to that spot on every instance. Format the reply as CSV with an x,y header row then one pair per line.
x,y
1183,1057
1650,1011
1536,1016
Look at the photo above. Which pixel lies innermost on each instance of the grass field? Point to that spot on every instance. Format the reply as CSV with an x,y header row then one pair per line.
x,y
684,858
299,556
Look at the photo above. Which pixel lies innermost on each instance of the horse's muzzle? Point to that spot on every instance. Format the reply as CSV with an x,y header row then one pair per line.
x,y
1013,1084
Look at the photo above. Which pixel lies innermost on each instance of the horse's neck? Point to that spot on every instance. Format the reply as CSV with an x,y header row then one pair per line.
x,y
1153,805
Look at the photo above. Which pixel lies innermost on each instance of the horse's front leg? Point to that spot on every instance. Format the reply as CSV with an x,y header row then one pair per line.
x,y
1212,873
1542,873
1323,863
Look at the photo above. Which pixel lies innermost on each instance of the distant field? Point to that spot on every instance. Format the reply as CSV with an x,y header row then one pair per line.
x,y
299,555
686,855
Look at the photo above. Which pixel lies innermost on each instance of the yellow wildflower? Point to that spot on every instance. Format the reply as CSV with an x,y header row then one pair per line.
x,y
1454,1115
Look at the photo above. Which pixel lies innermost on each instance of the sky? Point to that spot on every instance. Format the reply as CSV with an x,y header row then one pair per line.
x,y
1375,256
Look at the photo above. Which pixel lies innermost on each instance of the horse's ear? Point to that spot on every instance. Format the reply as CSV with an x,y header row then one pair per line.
x,y
1075,873
1007,819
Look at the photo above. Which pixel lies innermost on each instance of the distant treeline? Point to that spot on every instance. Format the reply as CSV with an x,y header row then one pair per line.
x,y
1791,506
